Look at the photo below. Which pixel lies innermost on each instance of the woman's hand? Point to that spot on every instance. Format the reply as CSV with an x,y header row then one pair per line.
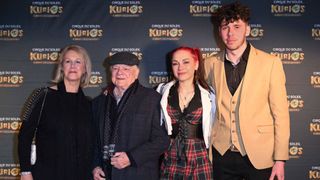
x,y
26,177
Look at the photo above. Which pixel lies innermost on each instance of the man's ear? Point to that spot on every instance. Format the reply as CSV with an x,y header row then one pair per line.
x,y
248,30
137,71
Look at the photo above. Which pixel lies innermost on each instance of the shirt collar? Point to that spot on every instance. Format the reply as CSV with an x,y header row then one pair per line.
x,y
244,56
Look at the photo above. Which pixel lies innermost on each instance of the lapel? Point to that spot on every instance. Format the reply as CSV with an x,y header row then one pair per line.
x,y
249,76
220,77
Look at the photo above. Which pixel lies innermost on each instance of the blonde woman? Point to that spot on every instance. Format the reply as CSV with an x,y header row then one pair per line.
x,y
64,132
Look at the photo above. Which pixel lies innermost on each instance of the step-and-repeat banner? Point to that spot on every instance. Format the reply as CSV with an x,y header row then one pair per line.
x,y
32,32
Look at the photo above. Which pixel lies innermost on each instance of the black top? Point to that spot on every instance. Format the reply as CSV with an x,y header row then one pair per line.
x,y
187,123
64,137
234,74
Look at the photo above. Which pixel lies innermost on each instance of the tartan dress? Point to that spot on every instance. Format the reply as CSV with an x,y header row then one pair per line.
x,y
186,158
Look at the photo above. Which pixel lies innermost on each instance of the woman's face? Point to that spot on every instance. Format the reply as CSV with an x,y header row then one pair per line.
x,y
73,66
183,65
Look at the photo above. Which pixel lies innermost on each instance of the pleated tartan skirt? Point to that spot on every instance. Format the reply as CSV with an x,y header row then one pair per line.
x,y
193,164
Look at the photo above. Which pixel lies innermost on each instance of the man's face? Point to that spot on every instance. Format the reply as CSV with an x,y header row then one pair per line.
x,y
122,76
234,34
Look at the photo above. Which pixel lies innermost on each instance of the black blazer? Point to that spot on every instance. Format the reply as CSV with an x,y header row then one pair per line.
x,y
139,133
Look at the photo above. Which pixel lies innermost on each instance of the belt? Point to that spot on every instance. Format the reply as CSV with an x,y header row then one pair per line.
x,y
187,130
233,148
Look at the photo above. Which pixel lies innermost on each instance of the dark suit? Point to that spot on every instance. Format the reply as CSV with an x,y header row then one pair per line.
x,y
139,133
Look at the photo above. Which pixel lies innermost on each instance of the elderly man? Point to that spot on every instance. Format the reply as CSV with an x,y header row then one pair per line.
x,y
129,139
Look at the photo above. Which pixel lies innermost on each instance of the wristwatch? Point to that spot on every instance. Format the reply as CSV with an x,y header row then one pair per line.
x,y
25,173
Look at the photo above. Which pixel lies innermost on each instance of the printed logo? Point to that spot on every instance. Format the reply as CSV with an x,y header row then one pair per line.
x,y
125,9
289,55
295,150
10,124
207,52
85,32
11,79
9,171
157,77
46,9
44,55
135,51
315,126
295,103
315,79
203,8
256,32
315,32
165,32
288,8
96,79
314,172
9,32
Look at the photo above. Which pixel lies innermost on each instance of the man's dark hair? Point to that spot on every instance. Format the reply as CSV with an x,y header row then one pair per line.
x,y
232,12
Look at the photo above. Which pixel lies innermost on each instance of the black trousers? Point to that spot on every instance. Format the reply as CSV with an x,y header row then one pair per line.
x,y
233,166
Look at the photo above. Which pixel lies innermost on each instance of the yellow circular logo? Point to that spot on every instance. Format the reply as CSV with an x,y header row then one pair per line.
x,y
14,125
294,103
295,56
173,32
54,9
296,8
93,80
134,9
214,8
293,150
15,171
254,32
15,79
54,56
14,33
94,33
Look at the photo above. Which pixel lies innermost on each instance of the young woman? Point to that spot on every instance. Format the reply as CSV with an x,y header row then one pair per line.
x,y
188,108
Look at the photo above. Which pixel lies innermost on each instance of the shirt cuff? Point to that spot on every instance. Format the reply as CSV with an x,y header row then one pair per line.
x,y
132,162
25,173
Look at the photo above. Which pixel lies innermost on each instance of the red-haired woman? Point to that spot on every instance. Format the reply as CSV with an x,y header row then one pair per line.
x,y
188,109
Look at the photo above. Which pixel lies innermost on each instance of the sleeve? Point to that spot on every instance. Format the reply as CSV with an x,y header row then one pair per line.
x,y
157,143
29,116
97,106
279,108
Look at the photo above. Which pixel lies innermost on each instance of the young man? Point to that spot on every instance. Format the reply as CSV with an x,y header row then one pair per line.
x,y
250,136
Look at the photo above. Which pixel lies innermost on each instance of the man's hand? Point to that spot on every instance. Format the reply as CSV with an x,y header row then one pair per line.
x,y
277,171
120,160
98,174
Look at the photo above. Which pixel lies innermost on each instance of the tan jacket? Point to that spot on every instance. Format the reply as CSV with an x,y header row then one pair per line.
x,y
263,109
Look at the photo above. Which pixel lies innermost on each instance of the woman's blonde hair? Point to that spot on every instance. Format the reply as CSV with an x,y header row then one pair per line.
x,y
59,71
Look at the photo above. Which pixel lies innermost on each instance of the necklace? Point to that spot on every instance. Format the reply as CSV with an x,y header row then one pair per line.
x,y
185,100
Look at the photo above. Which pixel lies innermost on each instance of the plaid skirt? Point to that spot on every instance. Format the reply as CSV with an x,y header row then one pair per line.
x,y
194,163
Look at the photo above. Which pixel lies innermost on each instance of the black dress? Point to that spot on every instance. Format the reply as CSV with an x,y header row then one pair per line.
x,y
64,137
